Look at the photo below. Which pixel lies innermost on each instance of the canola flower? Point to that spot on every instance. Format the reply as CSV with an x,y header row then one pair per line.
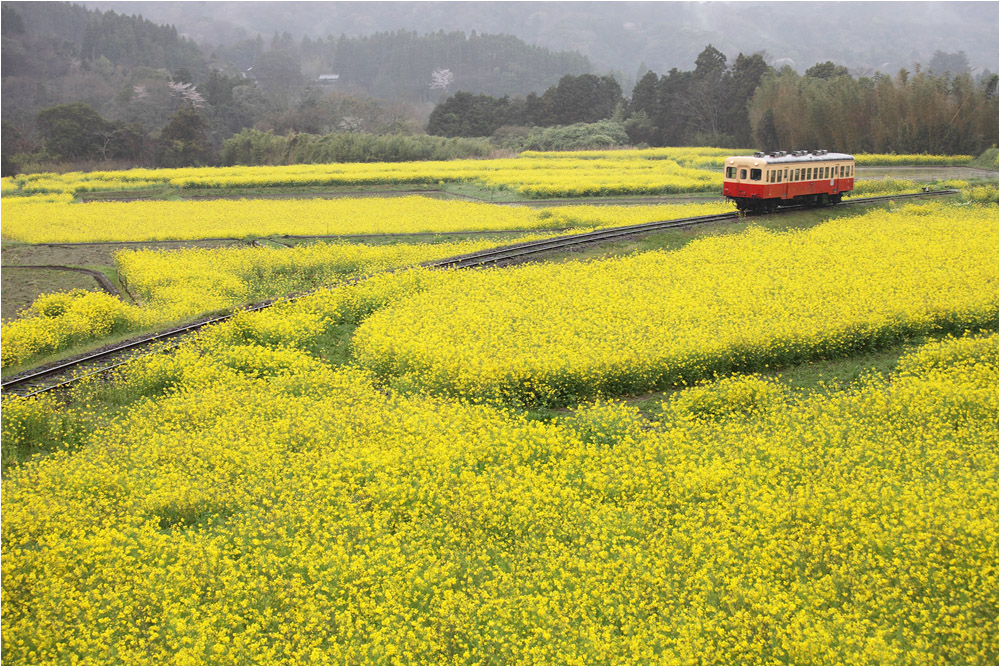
x,y
181,284
552,334
258,507
55,322
47,219
45,222
533,174
185,283
891,159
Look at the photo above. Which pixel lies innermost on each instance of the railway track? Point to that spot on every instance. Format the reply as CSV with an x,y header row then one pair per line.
x,y
64,373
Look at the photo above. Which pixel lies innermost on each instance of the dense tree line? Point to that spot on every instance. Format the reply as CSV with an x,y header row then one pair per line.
x,y
938,110
253,147
75,132
705,106
921,112
575,99
136,42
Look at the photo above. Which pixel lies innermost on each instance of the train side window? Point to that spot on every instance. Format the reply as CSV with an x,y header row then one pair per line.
x,y
755,174
826,172
785,178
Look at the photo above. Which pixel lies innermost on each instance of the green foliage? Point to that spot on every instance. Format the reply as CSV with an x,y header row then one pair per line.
x,y
987,160
77,132
906,114
134,41
183,142
73,131
465,115
706,106
575,99
252,147
580,136
740,396
580,99
827,70
35,425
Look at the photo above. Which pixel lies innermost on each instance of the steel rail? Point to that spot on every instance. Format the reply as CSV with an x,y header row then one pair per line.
x,y
471,260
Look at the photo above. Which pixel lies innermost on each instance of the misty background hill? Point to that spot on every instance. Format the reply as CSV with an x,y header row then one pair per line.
x,y
180,83
626,36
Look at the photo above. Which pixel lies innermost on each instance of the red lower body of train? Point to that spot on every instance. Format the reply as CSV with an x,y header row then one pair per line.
x,y
759,197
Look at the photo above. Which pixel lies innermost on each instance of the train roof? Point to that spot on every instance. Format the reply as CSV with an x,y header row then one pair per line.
x,y
781,157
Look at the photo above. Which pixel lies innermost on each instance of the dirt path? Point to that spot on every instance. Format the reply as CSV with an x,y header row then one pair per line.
x,y
101,279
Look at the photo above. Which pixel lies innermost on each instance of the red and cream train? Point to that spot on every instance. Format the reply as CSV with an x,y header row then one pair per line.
x,y
762,182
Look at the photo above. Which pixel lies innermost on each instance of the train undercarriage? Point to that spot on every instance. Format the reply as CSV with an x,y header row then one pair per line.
x,y
757,206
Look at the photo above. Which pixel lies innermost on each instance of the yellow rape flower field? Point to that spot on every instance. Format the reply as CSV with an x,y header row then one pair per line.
x,y
252,498
263,507
551,334
532,174
564,174
177,285
39,220
171,286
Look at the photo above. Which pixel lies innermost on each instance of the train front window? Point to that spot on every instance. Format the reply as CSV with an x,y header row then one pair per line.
x,y
743,174
730,172
755,174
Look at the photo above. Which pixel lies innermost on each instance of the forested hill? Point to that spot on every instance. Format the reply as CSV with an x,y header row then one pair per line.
x,y
400,64
56,52
862,36
71,30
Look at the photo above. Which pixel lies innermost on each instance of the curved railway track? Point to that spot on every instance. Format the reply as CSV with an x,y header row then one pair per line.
x,y
64,373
